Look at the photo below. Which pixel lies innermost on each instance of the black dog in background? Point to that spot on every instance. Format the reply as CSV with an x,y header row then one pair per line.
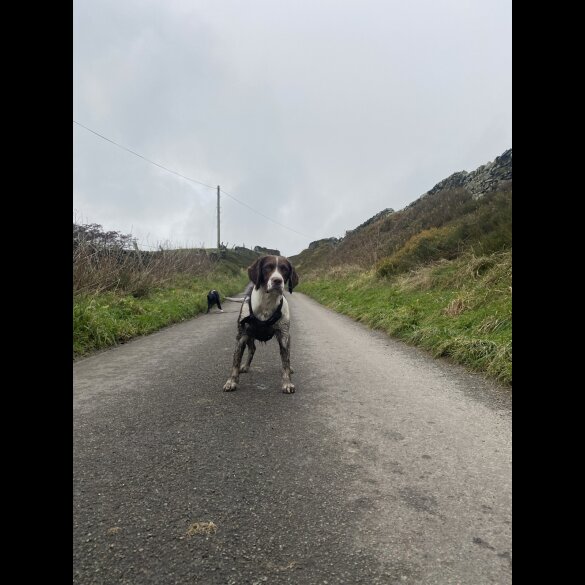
x,y
213,299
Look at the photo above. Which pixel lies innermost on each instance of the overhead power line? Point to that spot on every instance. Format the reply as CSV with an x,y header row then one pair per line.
x,y
185,177
143,157
266,216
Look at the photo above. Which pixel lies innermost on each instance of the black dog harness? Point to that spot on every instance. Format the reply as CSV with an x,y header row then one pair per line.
x,y
258,329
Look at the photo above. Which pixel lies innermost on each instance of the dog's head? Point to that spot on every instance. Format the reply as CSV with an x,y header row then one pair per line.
x,y
272,272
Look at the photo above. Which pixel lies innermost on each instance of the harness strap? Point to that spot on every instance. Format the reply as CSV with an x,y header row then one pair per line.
x,y
270,321
262,330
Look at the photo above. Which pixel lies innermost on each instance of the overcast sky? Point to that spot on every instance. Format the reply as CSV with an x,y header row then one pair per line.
x,y
316,113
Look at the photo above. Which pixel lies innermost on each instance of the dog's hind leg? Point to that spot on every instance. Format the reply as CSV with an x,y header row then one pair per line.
x,y
251,350
284,343
232,382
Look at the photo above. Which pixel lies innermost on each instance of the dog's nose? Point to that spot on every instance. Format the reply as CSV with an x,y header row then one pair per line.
x,y
277,281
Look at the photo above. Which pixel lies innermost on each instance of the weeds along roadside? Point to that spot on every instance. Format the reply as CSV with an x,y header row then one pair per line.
x,y
460,309
121,293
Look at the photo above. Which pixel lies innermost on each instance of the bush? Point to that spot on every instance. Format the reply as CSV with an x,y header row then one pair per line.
x,y
426,246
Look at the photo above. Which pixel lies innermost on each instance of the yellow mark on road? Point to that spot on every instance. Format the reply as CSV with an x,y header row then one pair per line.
x,y
201,528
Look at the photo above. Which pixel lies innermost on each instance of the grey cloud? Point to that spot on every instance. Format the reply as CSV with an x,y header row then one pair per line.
x,y
317,114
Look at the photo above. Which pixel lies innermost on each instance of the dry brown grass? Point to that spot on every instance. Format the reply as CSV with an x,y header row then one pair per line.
x,y
493,323
490,269
100,269
422,278
455,307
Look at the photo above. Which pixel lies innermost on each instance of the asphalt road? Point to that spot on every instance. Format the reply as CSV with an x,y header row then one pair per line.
x,y
385,466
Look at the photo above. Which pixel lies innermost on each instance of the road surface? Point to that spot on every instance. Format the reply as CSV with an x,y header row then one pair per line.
x,y
385,466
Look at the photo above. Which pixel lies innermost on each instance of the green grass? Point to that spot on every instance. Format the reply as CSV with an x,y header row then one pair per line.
x,y
461,309
105,319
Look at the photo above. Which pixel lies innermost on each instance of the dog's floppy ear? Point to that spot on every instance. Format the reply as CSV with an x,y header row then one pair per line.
x,y
255,272
293,279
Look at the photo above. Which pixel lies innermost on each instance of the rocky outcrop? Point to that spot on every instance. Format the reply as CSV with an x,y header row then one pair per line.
x,y
482,180
324,241
269,251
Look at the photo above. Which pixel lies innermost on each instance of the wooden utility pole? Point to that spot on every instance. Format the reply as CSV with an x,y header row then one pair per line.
x,y
218,240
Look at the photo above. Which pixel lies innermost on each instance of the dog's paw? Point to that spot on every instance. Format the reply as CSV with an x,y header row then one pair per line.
x,y
230,385
244,369
288,388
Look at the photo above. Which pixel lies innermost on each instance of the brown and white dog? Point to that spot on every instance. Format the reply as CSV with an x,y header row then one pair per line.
x,y
265,314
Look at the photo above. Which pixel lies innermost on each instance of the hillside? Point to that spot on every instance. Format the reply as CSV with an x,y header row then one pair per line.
x,y
436,274
234,260
467,210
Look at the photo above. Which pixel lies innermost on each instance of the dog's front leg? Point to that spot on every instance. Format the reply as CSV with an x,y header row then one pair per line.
x,y
232,381
251,351
284,343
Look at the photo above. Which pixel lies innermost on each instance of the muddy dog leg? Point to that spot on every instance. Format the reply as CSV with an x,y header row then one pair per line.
x,y
284,343
251,350
232,382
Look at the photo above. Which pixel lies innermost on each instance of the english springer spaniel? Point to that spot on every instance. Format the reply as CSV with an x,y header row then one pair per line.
x,y
265,314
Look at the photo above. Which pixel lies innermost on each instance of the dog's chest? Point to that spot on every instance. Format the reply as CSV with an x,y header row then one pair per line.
x,y
263,321
263,307
258,330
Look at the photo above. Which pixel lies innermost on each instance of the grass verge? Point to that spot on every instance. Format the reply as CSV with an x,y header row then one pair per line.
x,y
461,309
106,319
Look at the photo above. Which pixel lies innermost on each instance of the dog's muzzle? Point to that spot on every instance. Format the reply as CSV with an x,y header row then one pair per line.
x,y
277,285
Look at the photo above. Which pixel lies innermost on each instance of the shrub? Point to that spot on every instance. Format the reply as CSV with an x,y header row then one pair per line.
x,y
426,246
